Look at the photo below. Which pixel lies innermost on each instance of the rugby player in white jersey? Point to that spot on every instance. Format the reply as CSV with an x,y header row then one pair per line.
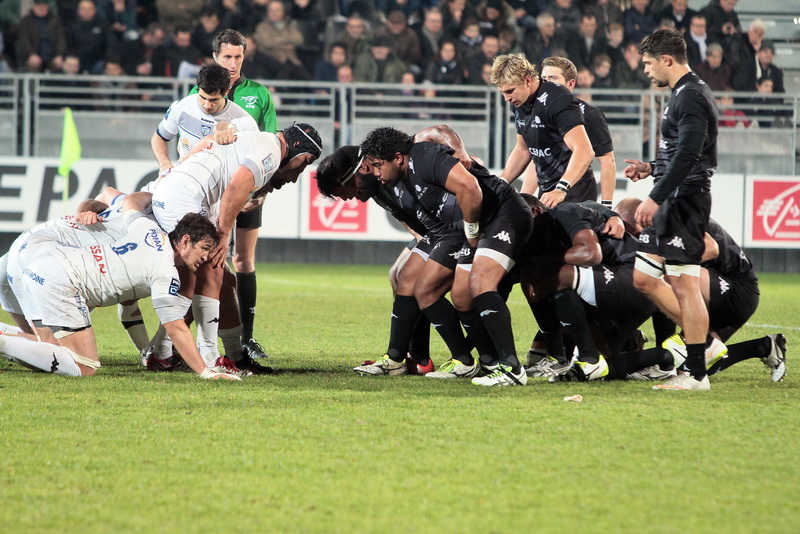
x,y
63,285
217,182
193,117
98,222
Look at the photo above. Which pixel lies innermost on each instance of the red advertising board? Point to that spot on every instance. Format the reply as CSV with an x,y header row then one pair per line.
x,y
326,215
773,212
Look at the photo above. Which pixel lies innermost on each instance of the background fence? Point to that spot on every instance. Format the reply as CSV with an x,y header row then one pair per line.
x,y
116,117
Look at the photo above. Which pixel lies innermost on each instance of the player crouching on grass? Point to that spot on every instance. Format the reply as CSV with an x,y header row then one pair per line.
x,y
62,286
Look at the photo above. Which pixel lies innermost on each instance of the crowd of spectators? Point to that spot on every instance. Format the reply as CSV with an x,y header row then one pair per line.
x,y
435,41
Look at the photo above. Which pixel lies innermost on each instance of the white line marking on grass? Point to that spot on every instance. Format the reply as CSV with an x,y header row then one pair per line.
x,y
776,326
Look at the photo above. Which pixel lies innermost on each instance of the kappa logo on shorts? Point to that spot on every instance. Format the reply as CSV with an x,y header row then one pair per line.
x,y
174,286
724,286
676,242
503,236
608,274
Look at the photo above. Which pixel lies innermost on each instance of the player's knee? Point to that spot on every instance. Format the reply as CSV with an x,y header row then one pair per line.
x,y
243,265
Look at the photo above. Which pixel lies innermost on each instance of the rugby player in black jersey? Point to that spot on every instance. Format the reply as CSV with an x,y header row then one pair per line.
x,y
678,207
730,291
550,132
496,223
561,70
421,283
582,253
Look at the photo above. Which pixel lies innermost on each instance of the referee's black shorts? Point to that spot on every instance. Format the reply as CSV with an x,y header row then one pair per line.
x,y
249,219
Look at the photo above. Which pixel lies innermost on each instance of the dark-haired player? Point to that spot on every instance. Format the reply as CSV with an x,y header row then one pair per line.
x,y
63,285
675,214
217,182
496,223
550,132
229,47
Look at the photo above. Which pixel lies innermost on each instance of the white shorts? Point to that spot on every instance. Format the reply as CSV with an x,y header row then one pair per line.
x,y
8,300
175,196
50,296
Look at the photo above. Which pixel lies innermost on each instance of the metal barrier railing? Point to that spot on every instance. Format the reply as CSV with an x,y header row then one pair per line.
x,y
116,116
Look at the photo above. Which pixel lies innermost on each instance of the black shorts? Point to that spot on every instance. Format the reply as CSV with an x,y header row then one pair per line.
x,y
617,297
584,189
733,300
505,236
446,251
680,224
249,219
423,245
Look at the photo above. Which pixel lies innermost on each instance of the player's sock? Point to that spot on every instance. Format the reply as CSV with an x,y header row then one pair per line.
x,y
405,313
663,327
161,343
131,318
37,355
444,318
695,360
572,317
549,329
246,290
419,346
739,352
232,342
631,362
478,336
206,315
497,320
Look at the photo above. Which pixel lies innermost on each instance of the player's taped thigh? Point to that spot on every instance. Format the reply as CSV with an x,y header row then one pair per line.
x,y
648,266
678,269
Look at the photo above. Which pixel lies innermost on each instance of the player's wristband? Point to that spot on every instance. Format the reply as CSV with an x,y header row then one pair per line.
x,y
564,186
472,230
606,203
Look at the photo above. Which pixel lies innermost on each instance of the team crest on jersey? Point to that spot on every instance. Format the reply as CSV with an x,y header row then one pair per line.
x,y
269,163
205,130
543,99
155,239
249,101
174,286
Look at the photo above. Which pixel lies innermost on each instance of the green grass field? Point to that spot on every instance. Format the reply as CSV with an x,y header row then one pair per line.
x,y
317,448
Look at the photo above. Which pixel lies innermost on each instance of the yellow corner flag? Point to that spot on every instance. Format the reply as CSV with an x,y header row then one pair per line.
x,y
70,150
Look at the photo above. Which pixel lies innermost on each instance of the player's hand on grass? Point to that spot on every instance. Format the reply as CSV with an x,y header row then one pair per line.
x,y
637,170
209,374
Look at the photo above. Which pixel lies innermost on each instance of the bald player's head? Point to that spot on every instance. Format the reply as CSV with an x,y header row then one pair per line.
x,y
626,208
